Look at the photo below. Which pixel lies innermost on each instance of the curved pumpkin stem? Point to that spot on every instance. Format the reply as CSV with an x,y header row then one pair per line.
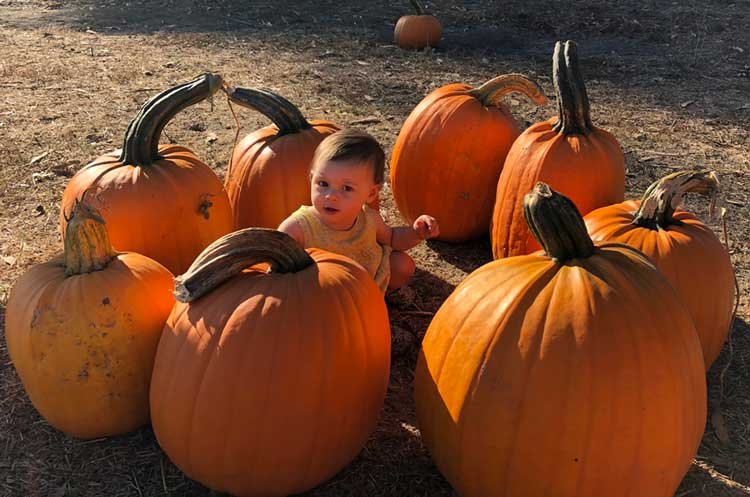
x,y
86,245
417,7
664,196
284,114
141,145
235,252
491,92
574,114
557,224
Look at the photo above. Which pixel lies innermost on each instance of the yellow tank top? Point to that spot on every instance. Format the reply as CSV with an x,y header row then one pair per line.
x,y
358,243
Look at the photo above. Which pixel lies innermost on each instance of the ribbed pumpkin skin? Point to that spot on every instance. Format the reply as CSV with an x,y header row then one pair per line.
x,y
272,383
270,174
588,169
417,32
691,257
447,160
155,210
84,345
577,380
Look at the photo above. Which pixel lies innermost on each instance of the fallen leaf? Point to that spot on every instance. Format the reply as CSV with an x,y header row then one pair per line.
x,y
8,259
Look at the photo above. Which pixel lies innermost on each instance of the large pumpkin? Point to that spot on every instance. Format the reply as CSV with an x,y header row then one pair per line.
x,y
684,249
571,373
450,151
267,384
269,174
82,331
418,31
158,200
575,157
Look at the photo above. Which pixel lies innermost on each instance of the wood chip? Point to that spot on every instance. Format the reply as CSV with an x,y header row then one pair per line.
x,y
366,120
38,158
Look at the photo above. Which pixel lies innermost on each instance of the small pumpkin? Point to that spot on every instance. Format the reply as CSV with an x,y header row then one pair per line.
x,y
157,200
269,174
268,383
450,151
684,249
575,157
82,331
573,372
418,31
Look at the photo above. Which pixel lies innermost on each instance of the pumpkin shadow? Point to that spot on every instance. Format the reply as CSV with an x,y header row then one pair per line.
x,y
466,256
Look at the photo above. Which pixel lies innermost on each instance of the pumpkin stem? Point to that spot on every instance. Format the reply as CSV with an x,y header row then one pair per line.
x,y
491,92
664,196
574,114
141,145
557,224
235,252
284,114
417,7
86,246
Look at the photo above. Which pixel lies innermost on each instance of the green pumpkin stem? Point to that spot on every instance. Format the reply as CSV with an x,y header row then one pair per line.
x,y
664,196
557,225
86,245
141,145
491,92
574,114
235,252
284,114
417,7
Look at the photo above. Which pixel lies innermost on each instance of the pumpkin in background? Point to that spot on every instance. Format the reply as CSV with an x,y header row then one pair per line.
x,y
267,384
450,151
684,249
269,174
568,152
418,31
157,200
571,373
82,331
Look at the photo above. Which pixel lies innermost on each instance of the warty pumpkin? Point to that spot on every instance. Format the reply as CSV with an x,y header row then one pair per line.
x,y
568,152
269,174
268,383
684,249
158,200
450,151
82,331
418,31
576,372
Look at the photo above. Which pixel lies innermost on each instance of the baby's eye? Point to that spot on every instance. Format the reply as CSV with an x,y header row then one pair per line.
x,y
322,183
348,188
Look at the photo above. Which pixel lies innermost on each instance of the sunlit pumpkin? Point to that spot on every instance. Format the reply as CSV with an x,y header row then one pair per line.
x,y
573,372
267,384
568,152
418,31
450,151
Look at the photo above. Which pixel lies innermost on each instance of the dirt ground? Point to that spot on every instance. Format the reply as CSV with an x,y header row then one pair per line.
x,y
670,79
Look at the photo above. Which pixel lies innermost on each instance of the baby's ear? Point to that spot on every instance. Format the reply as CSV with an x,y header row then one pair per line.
x,y
373,193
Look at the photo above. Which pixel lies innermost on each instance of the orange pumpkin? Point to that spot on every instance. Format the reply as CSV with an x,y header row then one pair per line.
x,y
158,200
269,383
571,373
684,249
418,31
450,151
269,174
575,157
82,331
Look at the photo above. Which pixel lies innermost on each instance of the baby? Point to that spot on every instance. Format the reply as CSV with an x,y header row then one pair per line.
x,y
347,172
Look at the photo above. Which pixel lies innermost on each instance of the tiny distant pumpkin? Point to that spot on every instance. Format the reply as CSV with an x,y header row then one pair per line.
x,y
269,174
450,151
268,383
576,372
568,152
684,249
82,331
157,200
418,31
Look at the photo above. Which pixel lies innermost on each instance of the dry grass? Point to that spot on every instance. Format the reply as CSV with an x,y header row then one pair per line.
x,y
670,81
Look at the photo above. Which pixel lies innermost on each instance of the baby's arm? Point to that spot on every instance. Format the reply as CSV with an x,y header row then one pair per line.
x,y
405,237
293,229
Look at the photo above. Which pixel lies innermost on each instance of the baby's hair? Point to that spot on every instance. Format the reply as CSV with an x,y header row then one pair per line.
x,y
352,144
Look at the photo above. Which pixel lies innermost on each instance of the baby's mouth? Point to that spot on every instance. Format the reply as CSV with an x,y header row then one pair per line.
x,y
330,210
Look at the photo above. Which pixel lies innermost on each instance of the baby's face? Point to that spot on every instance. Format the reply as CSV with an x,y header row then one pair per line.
x,y
339,189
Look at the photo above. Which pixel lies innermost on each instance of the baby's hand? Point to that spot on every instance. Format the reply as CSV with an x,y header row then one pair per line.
x,y
426,227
